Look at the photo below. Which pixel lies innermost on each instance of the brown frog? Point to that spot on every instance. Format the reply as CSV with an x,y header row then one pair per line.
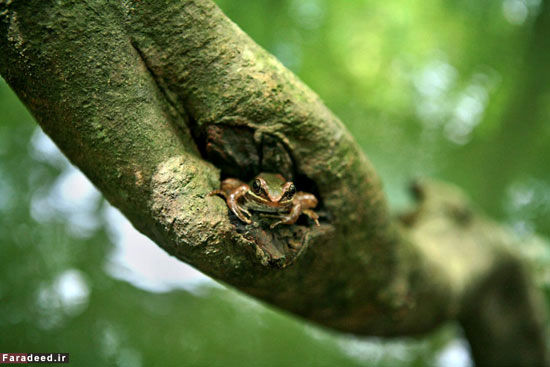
x,y
269,194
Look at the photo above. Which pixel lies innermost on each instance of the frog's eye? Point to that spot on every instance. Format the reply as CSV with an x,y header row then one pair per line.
x,y
290,191
256,186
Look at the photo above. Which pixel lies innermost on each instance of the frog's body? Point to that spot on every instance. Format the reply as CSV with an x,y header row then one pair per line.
x,y
267,193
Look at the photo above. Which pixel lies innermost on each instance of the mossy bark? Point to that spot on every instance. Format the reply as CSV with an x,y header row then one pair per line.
x,y
155,101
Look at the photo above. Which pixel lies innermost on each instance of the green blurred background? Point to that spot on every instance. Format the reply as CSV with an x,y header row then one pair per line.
x,y
458,90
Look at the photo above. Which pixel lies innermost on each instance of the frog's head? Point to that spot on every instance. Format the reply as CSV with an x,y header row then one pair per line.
x,y
273,188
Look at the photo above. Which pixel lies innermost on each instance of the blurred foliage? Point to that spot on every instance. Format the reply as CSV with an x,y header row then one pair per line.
x,y
453,89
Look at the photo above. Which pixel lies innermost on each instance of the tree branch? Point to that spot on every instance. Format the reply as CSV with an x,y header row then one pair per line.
x,y
152,100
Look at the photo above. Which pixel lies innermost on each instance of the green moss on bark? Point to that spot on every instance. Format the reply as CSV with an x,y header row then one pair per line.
x,y
139,94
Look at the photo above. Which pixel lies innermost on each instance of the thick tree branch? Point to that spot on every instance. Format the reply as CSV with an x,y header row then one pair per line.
x,y
152,100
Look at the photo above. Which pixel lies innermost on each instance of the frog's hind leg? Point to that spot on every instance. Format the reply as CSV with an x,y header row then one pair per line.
x,y
312,215
218,192
308,202
227,186
231,184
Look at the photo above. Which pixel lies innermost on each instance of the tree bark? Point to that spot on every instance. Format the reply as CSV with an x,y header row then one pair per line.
x,y
154,100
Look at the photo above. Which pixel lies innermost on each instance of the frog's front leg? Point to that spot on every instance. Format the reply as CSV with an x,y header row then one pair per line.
x,y
291,217
302,204
232,190
233,203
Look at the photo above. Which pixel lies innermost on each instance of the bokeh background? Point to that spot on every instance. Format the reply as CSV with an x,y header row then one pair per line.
x,y
453,89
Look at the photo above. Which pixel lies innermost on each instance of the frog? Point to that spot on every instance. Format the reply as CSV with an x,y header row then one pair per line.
x,y
268,194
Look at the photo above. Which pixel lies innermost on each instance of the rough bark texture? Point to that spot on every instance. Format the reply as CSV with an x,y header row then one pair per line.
x,y
156,100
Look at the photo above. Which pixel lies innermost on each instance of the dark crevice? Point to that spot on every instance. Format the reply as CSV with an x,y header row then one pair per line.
x,y
198,135
189,122
304,183
232,149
